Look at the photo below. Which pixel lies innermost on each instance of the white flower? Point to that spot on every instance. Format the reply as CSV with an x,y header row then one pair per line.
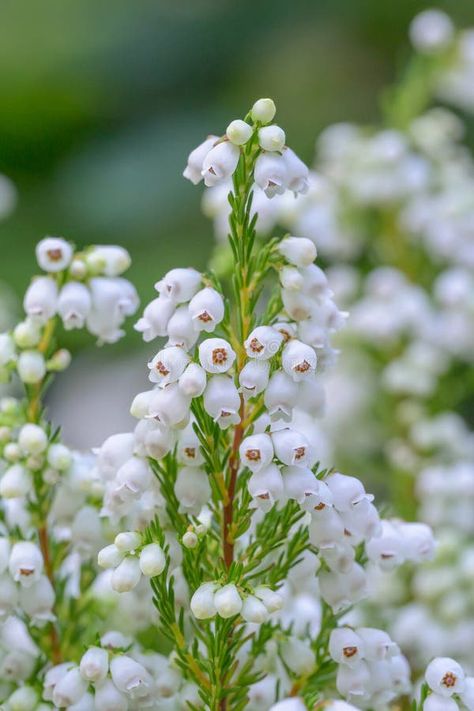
x,y
272,600
193,170
227,601
303,486
202,602
59,457
298,360
216,355
297,172
179,284
8,596
377,644
26,563
263,110
53,254
431,31
108,698
38,600
110,556
434,702
254,610
419,541
168,365
129,676
298,656
192,489
7,349
467,695
15,482
445,676
291,278
113,298
170,406
299,251
299,307
69,689
291,447
353,681
220,163
263,342
347,491
127,541
133,478
23,699
5,549
126,575
326,529
281,396
74,304
155,318
41,299
26,334
222,401
206,309
32,439
239,132
345,646
31,367
152,560
193,381
253,377
115,451
108,259
266,487
190,540
271,138
256,451
388,550
180,329
292,704
188,450
271,174
94,664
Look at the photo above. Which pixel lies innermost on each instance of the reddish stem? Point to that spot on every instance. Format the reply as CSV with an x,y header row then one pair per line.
x,y
48,566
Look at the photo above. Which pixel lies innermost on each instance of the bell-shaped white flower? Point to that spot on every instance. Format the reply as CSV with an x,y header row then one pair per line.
x,y
297,172
133,478
108,259
108,698
253,610
295,703
126,575
220,163
377,644
188,450
193,170
362,521
168,365
291,278
31,367
222,401
281,396
388,550
227,601
152,560
256,451
326,529
271,138
216,355
419,541
158,441
193,381
202,602
41,298
266,487
298,656
15,482
263,110
347,491
467,695
298,360
340,590
299,307
74,304
53,254
59,457
179,284
339,557
114,452
32,439
302,485
299,251
271,174
345,646
192,489
155,318
180,329
5,549
263,342
127,541
130,677
113,298
37,601
94,664
353,682
239,132
431,31
291,447
69,689
445,676
254,377
272,600
26,563
170,406
8,596
53,676
206,309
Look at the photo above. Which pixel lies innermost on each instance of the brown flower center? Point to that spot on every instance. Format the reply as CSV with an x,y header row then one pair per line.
x,y
299,453
205,317
449,680
253,455
55,254
302,367
190,452
349,652
255,346
162,369
219,356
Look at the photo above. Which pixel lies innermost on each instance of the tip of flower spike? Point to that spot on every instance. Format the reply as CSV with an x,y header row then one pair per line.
x,y
263,110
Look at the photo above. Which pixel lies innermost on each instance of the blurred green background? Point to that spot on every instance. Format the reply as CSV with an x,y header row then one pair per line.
x,y
101,101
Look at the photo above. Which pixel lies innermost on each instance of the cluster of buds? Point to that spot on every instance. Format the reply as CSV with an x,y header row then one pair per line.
x,y
130,558
212,599
24,586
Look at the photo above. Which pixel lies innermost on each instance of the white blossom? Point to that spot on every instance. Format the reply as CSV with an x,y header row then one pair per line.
x,y
53,254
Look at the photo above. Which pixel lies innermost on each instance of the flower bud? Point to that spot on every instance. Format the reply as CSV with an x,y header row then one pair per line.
x,y
272,600
220,163
23,699
108,698
193,380
216,355
27,334
155,318
15,482
129,676
53,254
152,560
59,457
126,575
202,602
7,349
263,110
59,361
8,596
108,259
347,491
110,556
256,451
326,529
127,541
298,656
38,600
190,540
263,343
26,563
69,689
353,681
192,489
299,251
271,138
271,174
266,487
253,378
41,299
179,285
298,360
445,676
222,401
345,646
377,644
188,451
159,441
227,601
431,31
94,664
239,132
168,365
32,439
193,170
253,610
12,452
206,309
31,367
74,305
302,485
291,447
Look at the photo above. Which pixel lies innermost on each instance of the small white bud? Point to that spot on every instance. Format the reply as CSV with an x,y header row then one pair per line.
x,y
239,132
110,556
31,367
23,699
345,646
263,343
7,349
179,285
431,31
110,260
193,170
59,457
32,439
15,482
126,575
222,401
141,404
291,447
190,540
69,689
206,309
94,664
108,698
59,361
202,602
216,355
220,163
298,360
129,676
152,560
253,610
53,254
256,451
26,563
271,138
272,600
299,251
271,174
263,110
127,541
27,334
155,318
266,487
227,601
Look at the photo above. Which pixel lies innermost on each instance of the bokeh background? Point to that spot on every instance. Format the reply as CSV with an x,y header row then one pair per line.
x,y
102,100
